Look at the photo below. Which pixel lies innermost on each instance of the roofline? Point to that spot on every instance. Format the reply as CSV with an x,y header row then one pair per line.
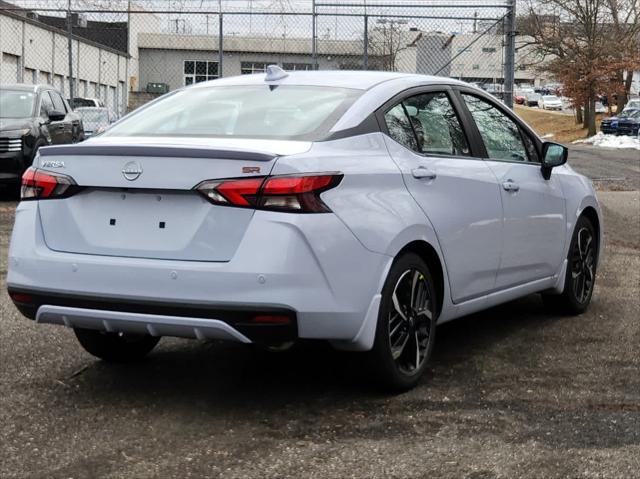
x,y
58,31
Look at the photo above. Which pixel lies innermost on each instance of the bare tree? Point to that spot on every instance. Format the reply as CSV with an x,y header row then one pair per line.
x,y
386,41
587,44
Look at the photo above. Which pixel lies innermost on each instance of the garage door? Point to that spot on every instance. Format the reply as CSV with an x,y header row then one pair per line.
x,y
9,68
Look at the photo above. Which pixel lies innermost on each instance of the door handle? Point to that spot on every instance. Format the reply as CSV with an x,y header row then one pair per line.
x,y
510,185
423,173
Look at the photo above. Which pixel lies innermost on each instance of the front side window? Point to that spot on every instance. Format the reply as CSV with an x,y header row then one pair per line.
x,y
46,105
199,71
501,135
251,111
427,124
58,103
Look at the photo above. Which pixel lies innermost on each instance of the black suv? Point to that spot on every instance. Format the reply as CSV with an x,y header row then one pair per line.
x,y
32,116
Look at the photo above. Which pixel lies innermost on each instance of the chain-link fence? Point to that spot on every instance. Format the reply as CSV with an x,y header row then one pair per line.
x,y
125,52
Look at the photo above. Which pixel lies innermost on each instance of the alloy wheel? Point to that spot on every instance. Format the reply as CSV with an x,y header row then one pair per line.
x,y
583,265
410,321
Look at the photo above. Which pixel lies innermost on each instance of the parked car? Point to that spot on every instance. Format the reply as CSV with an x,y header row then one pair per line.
x,y
550,102
629,125
532,99
78,102
609,126
32,117
519,97
95,119
634,103
356,207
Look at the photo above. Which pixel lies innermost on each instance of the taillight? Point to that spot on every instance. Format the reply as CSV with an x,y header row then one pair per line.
x,y
40,185
296,194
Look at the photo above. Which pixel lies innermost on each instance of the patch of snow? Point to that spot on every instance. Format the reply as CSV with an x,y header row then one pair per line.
x,y
548,135
612,141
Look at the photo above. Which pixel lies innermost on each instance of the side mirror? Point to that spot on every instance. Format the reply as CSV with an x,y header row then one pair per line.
x,y
553,154
56,115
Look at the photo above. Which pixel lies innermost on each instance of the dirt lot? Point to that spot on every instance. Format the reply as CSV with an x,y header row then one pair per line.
x,y
512,392
561,124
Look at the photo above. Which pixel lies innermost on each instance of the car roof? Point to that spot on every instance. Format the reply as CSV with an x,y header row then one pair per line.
x,y
357,79
26,87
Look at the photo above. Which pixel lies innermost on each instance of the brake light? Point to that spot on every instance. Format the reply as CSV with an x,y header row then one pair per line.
x,y
21,297
40,185
296,194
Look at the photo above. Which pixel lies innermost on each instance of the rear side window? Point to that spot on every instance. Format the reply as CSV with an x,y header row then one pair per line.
x,y
285,112
400,128
437,126
427,124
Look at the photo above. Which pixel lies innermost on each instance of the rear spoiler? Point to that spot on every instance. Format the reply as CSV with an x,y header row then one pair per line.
x,y
153,151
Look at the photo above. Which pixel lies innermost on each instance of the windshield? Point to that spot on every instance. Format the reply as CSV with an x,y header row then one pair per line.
x,y
285,112
627,113
94,116
80,102
550,98
16,103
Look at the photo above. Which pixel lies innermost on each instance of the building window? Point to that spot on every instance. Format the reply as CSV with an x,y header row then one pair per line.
x,y
297,66
247,68
488,50
199,71
476,67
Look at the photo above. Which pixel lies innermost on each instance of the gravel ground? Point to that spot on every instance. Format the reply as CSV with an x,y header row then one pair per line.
x,y
511,392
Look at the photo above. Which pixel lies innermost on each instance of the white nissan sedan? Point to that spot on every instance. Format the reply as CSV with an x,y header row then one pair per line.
x,y
362,208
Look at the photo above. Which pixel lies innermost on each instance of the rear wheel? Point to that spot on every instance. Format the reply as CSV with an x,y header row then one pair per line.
x,y
581,271
406,325
116,347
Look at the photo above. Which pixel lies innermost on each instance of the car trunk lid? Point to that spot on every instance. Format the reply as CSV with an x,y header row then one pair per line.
x,y
138,199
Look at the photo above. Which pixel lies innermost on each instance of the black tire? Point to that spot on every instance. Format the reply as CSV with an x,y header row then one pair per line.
x,y
116,347
580,276
393,366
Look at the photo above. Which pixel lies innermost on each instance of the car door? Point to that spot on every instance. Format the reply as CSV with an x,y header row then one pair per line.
x,y
55,129
69,126
533,207
457,191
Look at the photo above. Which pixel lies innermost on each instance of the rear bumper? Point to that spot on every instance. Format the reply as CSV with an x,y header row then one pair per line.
x,y
309,266
158,319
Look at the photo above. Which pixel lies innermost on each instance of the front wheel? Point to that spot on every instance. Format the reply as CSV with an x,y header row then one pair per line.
x,y
406,326
580,277
116,347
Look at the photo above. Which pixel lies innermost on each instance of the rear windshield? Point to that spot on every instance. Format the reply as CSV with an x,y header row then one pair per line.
x,y
16,103
80,102
285,112
94,116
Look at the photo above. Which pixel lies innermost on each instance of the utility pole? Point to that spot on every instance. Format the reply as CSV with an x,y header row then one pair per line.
x,y
70,51
366,42
220,41
314,35
509,53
